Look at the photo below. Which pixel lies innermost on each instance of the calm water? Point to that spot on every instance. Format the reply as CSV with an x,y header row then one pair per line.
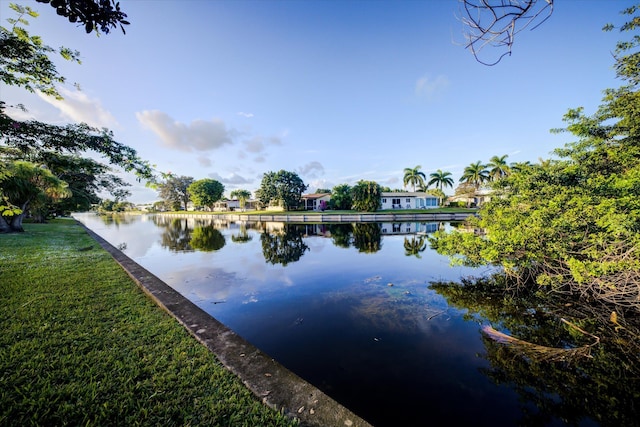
x,y
348,307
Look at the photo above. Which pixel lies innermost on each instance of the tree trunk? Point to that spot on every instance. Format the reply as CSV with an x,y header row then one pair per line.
x,y
12,224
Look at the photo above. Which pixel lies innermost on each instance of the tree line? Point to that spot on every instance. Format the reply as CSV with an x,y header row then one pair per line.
x,y
572,224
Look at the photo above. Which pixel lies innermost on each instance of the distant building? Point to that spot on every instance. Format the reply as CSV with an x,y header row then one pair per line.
x,y
408,200
474,198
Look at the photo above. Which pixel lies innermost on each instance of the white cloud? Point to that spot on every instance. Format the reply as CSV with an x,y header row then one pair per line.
x,y
79,107
234,179
428,87
314,184
247,115
312,169
199,135
258,144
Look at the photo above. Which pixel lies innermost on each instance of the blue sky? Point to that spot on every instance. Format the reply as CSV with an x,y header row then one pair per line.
x,y
335,90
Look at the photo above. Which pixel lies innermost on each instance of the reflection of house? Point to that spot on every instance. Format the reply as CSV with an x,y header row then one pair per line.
x,y
407,200
408,227
316,201
316,230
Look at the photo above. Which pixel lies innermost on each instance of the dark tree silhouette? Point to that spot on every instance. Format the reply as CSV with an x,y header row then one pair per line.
x,y
98,15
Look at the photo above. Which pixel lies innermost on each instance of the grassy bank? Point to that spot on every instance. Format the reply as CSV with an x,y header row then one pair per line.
x,y
81,344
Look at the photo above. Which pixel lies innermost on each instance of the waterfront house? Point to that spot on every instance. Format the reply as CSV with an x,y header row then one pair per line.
x,y
408,200
316,201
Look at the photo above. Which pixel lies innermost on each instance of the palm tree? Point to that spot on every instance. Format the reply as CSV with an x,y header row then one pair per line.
x,y
476,173
520,166
414,177
498,167
440,179
241,195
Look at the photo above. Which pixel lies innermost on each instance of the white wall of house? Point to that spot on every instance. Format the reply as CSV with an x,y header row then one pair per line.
x,y
313,201
406,200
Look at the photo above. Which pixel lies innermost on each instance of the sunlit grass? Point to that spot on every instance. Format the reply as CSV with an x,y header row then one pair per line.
x,y
81,344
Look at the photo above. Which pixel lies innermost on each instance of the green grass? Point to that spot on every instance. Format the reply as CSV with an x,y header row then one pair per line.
x,y
81,344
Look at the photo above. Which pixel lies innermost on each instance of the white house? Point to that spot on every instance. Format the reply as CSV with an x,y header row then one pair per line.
x,y
408,200
316,201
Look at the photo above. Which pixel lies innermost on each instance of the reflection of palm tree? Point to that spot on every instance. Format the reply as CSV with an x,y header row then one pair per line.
x,y
415,246
498,167
285,247
242,237
414,177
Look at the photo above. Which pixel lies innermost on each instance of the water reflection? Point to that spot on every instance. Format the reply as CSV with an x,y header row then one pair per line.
x,y
242,236
415,245
285,246
367,237
379,321
598,387
176,234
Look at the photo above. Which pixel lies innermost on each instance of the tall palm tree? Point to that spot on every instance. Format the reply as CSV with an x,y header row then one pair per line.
x,y
414,177
498,167
241,195
440,179
476,174
520,166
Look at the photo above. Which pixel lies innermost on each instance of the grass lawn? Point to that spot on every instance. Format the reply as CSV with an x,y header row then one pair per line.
x,y
81,344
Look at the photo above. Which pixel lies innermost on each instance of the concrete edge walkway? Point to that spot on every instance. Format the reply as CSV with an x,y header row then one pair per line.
x,y
275,385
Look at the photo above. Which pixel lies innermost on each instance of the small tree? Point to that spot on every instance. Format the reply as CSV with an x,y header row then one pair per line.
x,y
25,186
341,197
282,187
366,196
205,192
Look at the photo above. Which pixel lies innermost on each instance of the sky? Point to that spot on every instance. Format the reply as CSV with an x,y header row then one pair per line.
x,y
334,90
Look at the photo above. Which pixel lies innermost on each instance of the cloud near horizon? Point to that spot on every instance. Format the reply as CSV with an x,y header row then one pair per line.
x,y
79,107
199,135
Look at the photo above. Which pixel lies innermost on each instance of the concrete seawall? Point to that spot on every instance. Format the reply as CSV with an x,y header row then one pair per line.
x,y
271,382
326,218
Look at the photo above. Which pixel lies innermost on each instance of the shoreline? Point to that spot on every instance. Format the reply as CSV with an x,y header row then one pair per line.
x,y
325,218
270,382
